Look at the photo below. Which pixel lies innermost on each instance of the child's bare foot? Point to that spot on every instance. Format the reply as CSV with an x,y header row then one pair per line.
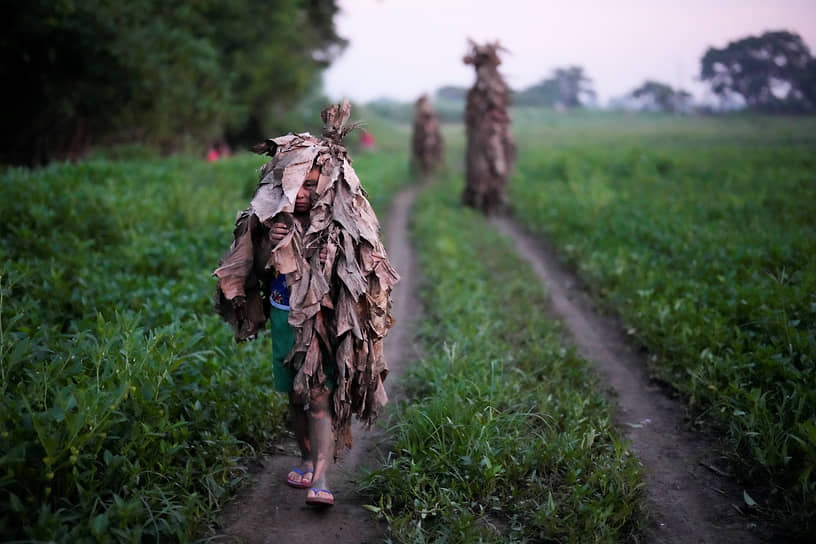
x,y
300,477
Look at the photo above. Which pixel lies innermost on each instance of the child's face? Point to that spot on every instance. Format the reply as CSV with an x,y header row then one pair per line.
x,y
303,201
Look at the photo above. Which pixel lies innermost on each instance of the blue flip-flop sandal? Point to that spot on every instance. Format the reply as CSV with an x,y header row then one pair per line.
x,y
300,484
317,500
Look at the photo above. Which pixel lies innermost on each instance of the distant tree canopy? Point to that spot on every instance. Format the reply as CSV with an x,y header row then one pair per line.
x,y
656,96
451,93
165,73
566,88
771,72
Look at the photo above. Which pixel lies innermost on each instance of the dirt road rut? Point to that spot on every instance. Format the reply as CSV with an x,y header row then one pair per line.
x,y
688,502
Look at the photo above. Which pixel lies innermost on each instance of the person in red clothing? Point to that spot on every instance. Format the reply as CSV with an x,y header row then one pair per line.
x,y
366,140
212,154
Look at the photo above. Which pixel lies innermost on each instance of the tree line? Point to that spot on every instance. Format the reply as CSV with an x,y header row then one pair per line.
x,y
169,74
774,72
181,74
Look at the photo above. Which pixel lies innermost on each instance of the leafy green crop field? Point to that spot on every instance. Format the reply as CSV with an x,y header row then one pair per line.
x,y
125,405
505,437
701,234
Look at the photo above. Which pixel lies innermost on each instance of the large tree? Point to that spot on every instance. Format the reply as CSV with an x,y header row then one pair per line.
x,y
656,96
566,88
771,72
451,93
164,73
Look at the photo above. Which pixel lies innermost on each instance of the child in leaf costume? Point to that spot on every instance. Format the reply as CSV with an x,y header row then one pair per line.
x,y
310,221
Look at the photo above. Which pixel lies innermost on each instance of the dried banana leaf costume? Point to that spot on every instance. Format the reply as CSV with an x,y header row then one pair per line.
x,y
427,138
491,149
340,309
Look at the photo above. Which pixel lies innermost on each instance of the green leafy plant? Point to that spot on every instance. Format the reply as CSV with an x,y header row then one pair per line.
x,y
125,407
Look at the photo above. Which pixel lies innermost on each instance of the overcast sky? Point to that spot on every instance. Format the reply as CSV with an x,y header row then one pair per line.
x,y
402,48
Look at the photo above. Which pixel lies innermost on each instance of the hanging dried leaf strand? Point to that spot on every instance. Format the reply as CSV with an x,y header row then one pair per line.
x,y
340,308
491,148
427,144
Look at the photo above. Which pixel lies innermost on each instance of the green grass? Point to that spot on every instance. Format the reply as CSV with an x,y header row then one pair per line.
x,y
701,234
504,437
125,405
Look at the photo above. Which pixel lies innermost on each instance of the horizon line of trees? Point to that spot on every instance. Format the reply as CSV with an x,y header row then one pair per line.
x,y
186,74
771,73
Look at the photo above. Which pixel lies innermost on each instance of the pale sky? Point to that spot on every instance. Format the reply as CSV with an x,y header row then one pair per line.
x,y
402,48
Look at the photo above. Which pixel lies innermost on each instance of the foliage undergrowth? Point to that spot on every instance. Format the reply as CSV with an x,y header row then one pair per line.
x,y
701,234
125,405
505,437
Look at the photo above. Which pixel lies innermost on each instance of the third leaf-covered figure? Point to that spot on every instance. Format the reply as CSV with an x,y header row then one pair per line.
x,y
491,148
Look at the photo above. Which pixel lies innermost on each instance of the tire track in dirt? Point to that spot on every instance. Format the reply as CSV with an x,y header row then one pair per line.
x,y
266,510
687,502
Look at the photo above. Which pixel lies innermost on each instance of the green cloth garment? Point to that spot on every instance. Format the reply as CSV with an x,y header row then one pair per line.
x,y
283,337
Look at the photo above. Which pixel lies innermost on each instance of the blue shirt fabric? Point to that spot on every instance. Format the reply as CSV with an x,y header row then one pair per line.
x,y
279,293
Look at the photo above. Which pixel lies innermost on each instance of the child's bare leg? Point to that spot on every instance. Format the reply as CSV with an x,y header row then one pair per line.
x,y
304,473
322,441
301,421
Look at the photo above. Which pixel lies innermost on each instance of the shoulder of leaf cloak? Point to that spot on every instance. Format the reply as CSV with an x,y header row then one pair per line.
x,y
343,221
354,213
361,279
238,295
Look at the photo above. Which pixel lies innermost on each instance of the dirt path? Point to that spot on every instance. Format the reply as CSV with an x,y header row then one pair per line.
x,y
688,500
267,511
